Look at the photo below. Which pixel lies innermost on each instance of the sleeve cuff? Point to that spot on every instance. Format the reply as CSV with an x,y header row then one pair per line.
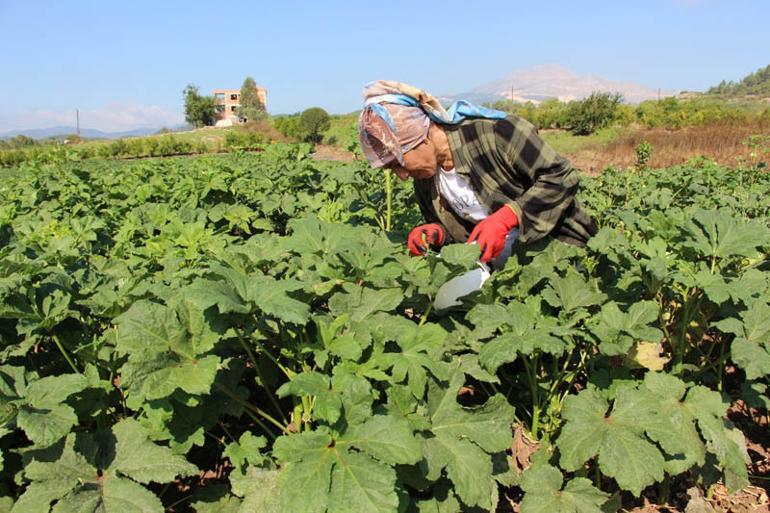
x,y
520,215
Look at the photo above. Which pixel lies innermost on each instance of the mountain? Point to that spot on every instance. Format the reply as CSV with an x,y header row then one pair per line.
x,y
88,133
553,81
757,83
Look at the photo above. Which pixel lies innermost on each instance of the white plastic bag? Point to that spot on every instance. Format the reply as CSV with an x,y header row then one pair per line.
x,y
449,294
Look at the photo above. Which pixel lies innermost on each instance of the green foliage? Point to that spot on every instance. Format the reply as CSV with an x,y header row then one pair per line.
x,y
102,472
251,107
199,110
655,412
309,126
545,493
288,126
313,123
643,152
670,112
21,141
242,140
249,307
757,83
599,110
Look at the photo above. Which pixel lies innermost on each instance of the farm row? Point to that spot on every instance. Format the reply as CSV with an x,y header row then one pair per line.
x,y
243,333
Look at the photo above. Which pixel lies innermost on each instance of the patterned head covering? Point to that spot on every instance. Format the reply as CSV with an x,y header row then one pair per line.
x,y
388,130
397,116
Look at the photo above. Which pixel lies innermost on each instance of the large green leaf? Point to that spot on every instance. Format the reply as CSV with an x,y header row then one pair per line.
x,y
542,485
259,489
158,377
674,427
305,484
308,445
572,292
617,331
466,465
53,390
728,444
53,480
463,439
362,302
90,473
717,234
243,293
618,438
359,483
47,425
526,332
140,459
149,328
421,348
751,347
387,438
112,495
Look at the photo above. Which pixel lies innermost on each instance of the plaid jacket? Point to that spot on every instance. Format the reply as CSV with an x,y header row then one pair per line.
x,y
506,162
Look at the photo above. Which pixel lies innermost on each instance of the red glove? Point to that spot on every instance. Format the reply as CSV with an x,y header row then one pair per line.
x,y
431,234
490,233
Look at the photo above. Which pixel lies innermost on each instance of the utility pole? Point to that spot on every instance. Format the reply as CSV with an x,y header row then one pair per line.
x,y
77,120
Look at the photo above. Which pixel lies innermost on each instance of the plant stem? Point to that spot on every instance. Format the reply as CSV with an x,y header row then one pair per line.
x,y
232,395
665,492
254,362
263,349
64,352
426,314
389,199
532,379
721,361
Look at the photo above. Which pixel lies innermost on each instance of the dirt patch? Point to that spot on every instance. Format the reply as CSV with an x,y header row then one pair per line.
x,y
726,144
327,152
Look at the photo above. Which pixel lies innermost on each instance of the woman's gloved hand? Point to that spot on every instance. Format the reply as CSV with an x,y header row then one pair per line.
x,y
431,234
490,233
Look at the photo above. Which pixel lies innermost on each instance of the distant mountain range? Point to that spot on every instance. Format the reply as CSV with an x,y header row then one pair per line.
x,y
88,133
553,81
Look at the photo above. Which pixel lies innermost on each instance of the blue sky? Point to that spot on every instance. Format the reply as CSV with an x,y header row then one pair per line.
x,y
124,64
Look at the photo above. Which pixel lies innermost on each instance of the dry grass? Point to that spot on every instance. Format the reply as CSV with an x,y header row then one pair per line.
x,y
723,143
265,128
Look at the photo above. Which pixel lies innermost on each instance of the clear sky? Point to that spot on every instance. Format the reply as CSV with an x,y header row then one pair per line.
x,y
124,64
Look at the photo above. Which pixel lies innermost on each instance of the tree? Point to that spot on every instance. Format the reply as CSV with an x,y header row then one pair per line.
x,y
288,126
313,122
198,110
597,111
251,108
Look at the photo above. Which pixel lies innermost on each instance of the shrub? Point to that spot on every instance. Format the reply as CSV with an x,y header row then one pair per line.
x,y
313,122
643,152
239,140
288,126
597,111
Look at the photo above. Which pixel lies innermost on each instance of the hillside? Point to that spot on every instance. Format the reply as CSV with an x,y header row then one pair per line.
x,y
757,83
538,83
86,133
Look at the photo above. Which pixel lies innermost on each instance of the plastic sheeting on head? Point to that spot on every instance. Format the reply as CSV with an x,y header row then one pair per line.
x,y
396,118
388,130
388,91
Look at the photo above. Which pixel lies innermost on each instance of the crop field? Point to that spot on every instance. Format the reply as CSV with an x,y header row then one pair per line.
x,y
248,333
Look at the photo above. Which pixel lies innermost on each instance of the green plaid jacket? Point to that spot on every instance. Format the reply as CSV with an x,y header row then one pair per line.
x,y
506,162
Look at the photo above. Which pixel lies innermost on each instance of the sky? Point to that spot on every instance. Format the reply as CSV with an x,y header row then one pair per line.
x,y
124,64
